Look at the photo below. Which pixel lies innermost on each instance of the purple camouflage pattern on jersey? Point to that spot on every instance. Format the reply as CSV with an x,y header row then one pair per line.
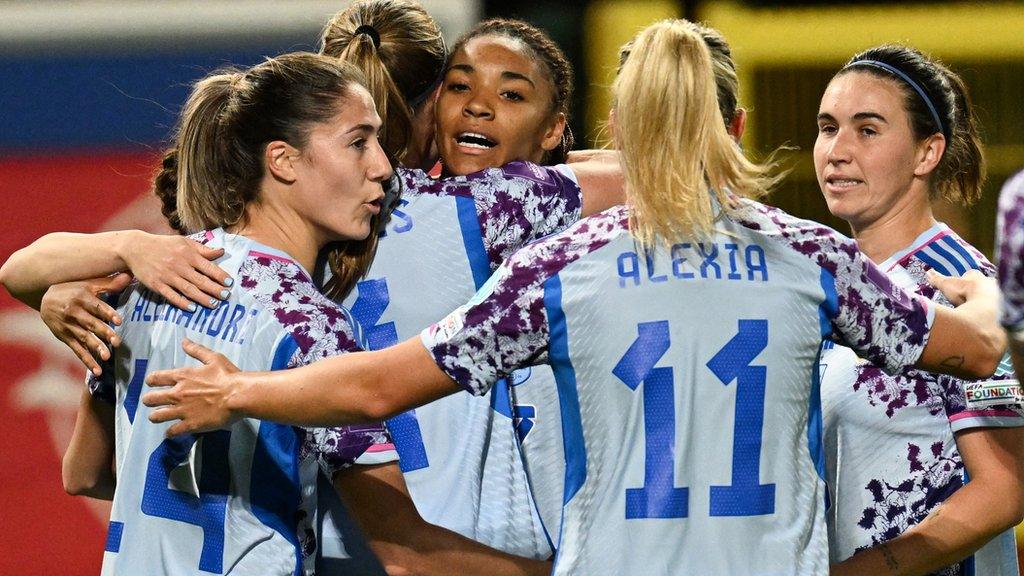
x,y
515,204
321,329
1010,246
933,476
506,324
936,472
942,394
874,316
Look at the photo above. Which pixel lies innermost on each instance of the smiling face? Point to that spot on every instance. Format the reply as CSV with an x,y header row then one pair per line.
x,y
495,106
866,157
340,170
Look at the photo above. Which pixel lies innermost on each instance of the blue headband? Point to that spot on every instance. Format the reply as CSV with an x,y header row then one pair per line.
x,y
917,88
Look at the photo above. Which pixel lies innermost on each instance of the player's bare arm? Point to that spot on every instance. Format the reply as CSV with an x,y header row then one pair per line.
x,y
407,544
966,342
178,268
601,183
87,468
350,388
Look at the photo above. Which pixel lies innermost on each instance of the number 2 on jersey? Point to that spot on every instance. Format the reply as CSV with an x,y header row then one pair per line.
x,y
372,300
659,497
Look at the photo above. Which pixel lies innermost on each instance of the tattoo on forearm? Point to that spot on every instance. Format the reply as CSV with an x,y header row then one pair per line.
x,y
890,560
953,362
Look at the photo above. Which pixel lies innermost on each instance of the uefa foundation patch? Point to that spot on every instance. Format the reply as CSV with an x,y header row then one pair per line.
x,y
993,393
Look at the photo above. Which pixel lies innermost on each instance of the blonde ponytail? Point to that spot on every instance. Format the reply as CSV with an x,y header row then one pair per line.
x,y
673,140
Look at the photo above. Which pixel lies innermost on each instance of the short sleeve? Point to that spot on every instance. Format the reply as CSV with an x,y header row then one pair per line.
x,y
869,313
338,447
993,402
504,327
1010,247
102,387
522,202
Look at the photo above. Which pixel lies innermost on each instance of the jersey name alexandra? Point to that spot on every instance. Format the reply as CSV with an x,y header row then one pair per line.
x,y
725,261
228,321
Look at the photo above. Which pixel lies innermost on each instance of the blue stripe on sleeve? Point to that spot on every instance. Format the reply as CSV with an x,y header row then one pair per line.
x,y
829,307
473,240
949,257
568,395
285,350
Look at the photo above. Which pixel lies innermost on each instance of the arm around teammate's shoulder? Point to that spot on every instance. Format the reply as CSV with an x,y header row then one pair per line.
x,y
177,268
601,182
966,341
345,389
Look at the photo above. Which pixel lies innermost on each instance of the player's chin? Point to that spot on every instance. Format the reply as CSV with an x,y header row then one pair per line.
x,y
469,165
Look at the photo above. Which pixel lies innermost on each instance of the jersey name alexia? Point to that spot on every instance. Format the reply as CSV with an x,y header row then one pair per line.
x,y
711,260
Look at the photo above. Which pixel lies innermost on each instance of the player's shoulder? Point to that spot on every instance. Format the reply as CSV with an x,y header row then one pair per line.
x,y
814,240
319,326
587,235
511,181
943,250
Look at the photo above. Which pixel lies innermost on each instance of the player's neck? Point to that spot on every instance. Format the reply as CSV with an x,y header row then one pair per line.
x,y
282,230
885,236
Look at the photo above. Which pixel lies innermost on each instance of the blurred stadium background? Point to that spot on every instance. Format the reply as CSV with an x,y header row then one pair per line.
x,y
89,90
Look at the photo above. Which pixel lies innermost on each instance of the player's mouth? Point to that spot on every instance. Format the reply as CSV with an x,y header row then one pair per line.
x,y
840,183
474,142
374,205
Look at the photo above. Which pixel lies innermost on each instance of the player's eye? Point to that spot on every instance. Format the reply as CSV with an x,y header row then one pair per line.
x,y
513,96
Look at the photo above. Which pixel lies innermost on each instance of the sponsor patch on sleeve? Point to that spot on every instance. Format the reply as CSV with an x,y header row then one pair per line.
x,y
448,326
980,395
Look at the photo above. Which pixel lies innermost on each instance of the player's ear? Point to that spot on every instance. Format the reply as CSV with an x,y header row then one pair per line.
x,y
280,158
738,124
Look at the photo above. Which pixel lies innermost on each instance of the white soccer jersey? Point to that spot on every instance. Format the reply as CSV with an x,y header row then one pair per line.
x,y
460,455
686,382
891,456
238,500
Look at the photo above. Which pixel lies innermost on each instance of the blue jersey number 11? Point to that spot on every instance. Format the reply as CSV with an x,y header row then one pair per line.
x,y
659,497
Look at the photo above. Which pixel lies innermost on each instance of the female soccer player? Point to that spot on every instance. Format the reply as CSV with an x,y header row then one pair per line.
x,y
504,97
714,304
896,131
509,85
258,150
285,158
